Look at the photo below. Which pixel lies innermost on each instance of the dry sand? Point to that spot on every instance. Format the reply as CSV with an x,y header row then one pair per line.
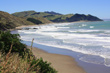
x,y
62,63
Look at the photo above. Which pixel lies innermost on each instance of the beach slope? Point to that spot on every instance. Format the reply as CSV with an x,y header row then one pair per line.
x,y
62,63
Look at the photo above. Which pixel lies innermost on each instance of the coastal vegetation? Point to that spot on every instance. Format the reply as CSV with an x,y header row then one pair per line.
x,y
16,57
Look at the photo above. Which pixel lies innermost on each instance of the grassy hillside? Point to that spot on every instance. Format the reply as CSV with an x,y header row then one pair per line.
x,y
56,17
43,20
45,17
33,20
8,21
61,17
32,14
53,13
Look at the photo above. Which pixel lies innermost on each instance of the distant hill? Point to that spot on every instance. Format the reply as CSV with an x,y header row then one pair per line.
x,y
106,19
56,17
8,21
52,13
45,17
48,17
82,17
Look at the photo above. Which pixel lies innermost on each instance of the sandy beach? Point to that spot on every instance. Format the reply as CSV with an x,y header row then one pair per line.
x,y
62,63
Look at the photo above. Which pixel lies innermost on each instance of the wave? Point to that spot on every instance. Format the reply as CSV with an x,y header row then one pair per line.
x,y
91,26
62,27
81,30
92,42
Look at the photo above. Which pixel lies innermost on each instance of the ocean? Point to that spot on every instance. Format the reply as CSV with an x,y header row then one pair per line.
x,y
91,39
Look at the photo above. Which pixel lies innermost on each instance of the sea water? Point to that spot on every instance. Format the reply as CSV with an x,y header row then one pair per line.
x,y
92,39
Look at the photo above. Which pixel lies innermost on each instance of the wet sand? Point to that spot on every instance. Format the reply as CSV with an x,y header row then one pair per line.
x,y
62,63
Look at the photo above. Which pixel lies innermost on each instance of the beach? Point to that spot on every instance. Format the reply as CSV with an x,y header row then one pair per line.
x,y
74,40
62,63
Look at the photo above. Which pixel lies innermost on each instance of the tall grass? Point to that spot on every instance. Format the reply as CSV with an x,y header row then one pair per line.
x,y
13,63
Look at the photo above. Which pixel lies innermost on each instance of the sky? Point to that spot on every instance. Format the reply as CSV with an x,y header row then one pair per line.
x,y
99,8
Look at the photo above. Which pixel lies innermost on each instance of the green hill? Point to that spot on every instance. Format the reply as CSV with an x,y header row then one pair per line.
x,y
8,21
47,17
32,14
35,21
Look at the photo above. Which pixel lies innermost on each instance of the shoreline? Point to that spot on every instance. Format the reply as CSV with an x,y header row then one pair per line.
x,y
88,67
20,27
62,63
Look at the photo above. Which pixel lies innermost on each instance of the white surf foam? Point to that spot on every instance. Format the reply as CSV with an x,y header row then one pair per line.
x,y
91,44
91,26
62,27
81,30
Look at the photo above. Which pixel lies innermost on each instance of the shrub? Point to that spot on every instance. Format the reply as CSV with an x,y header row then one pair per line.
x,y
43,65
15,58
6,39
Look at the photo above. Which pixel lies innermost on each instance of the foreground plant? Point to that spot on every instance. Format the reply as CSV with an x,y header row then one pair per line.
x,y
13,63
18,59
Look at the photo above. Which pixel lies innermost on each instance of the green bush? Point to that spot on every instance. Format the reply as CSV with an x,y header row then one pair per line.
x,y
7,39
34,65
43,65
